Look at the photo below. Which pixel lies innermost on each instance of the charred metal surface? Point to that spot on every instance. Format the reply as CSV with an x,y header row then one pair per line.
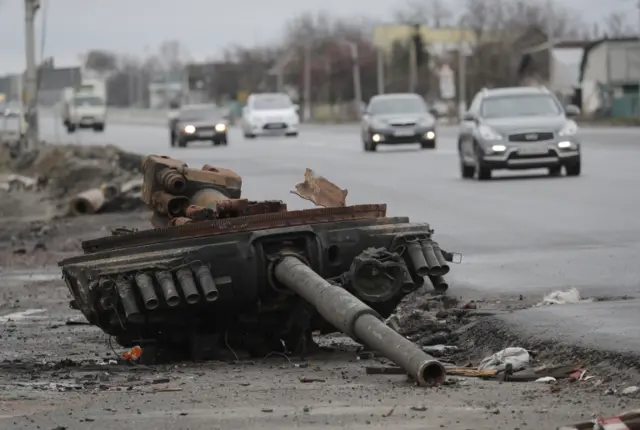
x,y
166,175
227,272
238,224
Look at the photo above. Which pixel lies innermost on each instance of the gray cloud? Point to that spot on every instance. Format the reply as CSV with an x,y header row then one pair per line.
x,y
204,26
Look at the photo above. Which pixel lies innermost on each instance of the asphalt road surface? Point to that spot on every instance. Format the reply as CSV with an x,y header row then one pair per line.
x,y
523,232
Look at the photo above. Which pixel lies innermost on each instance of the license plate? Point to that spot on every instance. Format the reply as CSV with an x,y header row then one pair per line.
x,y
404,133
275,126
206,134
532,151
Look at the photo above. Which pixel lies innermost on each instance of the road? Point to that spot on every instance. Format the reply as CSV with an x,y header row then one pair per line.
x,y
519,235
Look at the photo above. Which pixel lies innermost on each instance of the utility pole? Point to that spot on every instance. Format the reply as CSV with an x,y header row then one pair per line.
x,y
357,87
30,8
638,59
307,82
413,68
551,40
462,75
462,81
380,73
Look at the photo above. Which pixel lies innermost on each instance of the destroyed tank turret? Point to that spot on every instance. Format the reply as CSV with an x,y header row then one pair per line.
x,y
222,271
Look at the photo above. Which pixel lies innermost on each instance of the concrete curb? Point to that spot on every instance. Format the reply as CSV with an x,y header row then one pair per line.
x,y
496,333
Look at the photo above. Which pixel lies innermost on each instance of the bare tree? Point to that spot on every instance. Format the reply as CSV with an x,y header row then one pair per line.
x,y
617,25
101,61
433,13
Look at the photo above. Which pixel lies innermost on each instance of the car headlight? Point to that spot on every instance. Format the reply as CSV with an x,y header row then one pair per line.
x,y
487,133
565,144
221,127
189,129
498,148
569,129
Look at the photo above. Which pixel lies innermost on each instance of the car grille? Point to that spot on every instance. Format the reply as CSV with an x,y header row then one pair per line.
x,y
530,137
402,124
275,126
205,128
516,156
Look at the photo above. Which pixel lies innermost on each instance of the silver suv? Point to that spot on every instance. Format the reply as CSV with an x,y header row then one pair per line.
x,y
518,128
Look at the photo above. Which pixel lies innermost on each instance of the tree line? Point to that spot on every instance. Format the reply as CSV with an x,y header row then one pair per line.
x,y
328,40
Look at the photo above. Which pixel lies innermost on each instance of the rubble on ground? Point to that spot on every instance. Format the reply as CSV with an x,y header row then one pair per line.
x,y
80,179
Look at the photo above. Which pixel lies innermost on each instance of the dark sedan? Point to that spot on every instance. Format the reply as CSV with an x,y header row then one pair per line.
x,y
199,123
398,119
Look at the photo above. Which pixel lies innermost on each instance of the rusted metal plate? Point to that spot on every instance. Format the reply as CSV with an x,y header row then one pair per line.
x,y
320,191
239,224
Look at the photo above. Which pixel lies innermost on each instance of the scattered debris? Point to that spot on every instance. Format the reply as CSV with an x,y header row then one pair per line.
x,y
625,421
133,354
320,191
517,358
309,379
76,172
630,391
563,298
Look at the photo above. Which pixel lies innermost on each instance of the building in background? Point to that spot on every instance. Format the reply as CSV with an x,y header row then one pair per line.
x,y
167,87
51,83
610,78
533,68
439,41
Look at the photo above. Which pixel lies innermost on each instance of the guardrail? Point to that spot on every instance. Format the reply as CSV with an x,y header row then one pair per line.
x,y
123,116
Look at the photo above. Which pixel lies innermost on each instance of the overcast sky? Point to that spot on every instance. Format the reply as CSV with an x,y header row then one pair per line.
x,y
204,26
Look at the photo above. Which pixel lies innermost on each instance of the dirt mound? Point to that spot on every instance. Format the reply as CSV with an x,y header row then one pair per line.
x,y
69,169
59,172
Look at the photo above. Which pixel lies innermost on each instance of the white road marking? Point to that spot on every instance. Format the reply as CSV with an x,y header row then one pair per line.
x,y
30,314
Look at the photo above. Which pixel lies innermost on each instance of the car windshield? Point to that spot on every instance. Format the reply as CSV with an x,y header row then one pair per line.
x,y
197,114
272,102
88,101
400,105
520,105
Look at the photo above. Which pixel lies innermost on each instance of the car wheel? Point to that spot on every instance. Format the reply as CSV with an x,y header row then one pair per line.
x,y
71,129
182,144
573,169
466,171
428,144
482,173
555,170
172,140
369,146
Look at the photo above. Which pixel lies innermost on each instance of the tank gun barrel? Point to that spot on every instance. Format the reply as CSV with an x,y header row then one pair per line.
x,y
357,320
